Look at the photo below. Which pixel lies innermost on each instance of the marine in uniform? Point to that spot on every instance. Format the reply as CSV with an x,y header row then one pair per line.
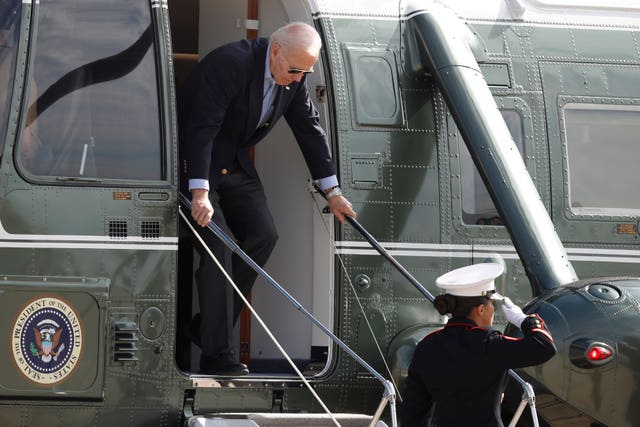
x,y
458,373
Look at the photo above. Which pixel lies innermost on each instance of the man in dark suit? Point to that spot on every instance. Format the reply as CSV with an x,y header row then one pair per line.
x,y
229,103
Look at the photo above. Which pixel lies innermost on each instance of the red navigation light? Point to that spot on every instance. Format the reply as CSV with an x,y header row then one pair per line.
x,y
599,353
587,353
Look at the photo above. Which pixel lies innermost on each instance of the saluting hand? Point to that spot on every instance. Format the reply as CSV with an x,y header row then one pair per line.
x,y
512,312
340,206
201,209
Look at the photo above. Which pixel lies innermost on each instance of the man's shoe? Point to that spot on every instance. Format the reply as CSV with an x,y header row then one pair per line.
x,y
221,365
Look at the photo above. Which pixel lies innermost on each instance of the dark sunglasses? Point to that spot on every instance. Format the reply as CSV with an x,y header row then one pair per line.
x,y
299,71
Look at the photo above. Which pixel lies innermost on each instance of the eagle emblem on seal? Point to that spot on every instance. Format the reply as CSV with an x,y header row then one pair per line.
x,y
47,336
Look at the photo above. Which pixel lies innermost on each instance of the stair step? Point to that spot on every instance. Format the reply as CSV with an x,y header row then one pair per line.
x,y
280,420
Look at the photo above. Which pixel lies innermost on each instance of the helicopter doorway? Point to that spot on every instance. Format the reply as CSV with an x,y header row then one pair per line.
x,y
302,261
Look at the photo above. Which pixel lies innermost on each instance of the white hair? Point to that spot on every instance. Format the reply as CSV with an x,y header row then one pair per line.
x,y
299,36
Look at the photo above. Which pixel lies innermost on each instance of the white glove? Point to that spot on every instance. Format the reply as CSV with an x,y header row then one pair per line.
x,y
512,312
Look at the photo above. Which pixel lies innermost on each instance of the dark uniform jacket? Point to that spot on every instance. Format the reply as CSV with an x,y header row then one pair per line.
x,y
462,368
219,108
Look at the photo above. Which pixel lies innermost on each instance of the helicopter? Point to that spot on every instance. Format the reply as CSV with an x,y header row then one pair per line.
x,y
462,132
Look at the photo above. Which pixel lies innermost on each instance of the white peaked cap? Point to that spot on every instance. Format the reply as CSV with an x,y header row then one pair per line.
x,y
472,281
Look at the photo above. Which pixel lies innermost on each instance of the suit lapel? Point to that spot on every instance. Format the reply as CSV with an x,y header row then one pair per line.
x,y
256,87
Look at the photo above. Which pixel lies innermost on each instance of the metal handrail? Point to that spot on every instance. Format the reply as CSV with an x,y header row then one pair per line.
x,y
389,390
382,251
528,397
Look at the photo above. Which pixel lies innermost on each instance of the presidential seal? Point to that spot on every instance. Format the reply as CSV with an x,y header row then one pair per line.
x,y
46,341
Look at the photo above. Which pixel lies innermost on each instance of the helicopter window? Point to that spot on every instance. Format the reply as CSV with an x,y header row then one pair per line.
x,y
477,206
375,95
93,108
598,140
9,30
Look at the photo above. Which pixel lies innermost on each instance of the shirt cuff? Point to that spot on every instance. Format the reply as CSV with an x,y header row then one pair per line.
x,y
324,183
198,183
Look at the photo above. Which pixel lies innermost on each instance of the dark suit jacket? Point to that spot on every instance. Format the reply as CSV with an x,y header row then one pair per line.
x,y
219,108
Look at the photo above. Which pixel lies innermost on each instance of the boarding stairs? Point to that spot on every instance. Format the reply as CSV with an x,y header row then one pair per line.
x,y
281,420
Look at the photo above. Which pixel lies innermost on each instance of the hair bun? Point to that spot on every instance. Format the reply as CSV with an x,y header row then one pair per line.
x,y
444,304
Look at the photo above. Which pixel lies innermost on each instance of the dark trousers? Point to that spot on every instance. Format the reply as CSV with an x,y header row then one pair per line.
x,y
240,207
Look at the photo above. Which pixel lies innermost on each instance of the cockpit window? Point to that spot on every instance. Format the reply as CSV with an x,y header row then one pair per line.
x,y
10,11
93,105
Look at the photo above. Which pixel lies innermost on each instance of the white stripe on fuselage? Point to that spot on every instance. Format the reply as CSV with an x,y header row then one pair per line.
x,y
74,241
434,250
